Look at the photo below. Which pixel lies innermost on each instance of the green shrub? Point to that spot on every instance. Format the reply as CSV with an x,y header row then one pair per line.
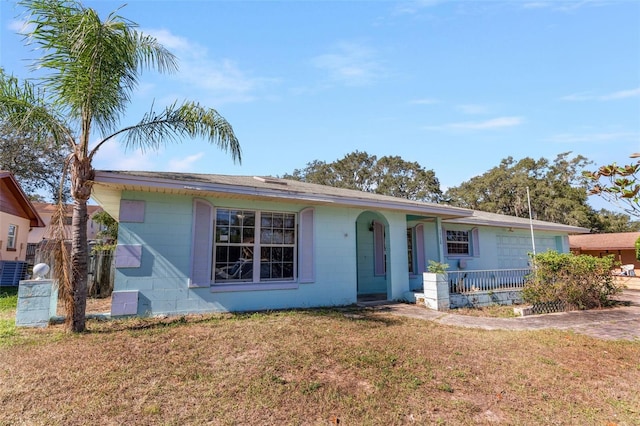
x,y
580,281
638,249
437,267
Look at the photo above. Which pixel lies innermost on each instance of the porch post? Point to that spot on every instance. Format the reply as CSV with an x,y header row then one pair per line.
x,y
439,240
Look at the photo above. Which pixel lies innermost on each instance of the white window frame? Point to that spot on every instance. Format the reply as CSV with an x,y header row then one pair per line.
x,y
458,242
12,237
472,243
240,271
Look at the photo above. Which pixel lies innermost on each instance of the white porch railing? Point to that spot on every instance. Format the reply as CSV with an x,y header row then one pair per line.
x,y
487,280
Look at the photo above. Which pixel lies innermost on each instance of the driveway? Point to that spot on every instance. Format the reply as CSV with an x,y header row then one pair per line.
x,y
621,322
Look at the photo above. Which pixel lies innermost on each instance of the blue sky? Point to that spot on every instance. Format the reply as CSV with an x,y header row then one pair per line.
x,y
456,86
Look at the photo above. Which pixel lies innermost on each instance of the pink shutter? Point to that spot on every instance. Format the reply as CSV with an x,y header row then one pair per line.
x,y
419,241
131,211
201,244
475,243
378,248
306,265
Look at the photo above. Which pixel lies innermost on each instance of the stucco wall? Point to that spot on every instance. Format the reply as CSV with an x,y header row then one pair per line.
x,y
499,248
21,242
165,237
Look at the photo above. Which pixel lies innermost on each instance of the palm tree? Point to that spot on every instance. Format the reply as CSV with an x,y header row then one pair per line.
x,y
95,67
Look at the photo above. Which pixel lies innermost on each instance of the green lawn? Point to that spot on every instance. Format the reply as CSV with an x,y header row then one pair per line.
x,y
8,303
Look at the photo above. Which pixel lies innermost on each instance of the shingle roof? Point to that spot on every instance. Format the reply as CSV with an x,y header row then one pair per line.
x,y
262,188
108,183
613,241
494,219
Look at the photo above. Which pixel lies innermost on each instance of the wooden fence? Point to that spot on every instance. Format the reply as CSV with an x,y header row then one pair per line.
x,y
101,270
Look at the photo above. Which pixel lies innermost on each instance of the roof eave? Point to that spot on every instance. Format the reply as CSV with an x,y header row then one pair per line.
x,y
203,188
537,226
35,220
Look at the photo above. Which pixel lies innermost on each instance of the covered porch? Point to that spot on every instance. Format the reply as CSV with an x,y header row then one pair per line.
x,y
487,280
472,288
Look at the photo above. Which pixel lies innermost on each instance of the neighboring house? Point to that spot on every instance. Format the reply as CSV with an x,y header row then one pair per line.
x,y
17,217
46,212
621,244
192,243
38,236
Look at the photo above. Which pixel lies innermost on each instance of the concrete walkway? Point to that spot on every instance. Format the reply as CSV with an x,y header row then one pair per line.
x,y
612,323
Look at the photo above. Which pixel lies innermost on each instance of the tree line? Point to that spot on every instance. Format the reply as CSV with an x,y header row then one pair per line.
x,y
559,188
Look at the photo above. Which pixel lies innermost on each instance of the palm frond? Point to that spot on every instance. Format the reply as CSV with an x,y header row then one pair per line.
x,y
176,122
95,63
59,249
23,107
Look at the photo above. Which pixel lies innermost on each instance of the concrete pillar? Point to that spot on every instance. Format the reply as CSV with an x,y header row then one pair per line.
x,y
37,302
436,291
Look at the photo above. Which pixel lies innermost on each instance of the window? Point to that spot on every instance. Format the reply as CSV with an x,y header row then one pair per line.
x,y
277,246
241,234
462,243
410,249
12,237
458,242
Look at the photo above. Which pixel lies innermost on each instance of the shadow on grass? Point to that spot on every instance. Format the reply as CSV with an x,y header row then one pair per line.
x,y
350,313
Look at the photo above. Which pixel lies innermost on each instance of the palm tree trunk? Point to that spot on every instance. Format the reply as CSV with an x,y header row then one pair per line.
x,y
82,174
79,265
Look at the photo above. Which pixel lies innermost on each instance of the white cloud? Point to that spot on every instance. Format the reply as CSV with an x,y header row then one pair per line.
x,y
590,96
21,27
113,156
473,109
494,123
350,64
594,137
412,7
224,79
169,40
563,6
622,94
582,96
221,79
184,164
535,5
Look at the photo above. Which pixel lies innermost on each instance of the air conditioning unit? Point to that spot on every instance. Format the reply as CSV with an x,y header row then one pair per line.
x,y
11,272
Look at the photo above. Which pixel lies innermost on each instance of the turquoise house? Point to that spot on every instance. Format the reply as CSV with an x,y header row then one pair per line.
x,y
195,243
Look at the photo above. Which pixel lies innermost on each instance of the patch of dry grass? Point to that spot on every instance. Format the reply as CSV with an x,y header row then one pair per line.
x,y
493,311
313,367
